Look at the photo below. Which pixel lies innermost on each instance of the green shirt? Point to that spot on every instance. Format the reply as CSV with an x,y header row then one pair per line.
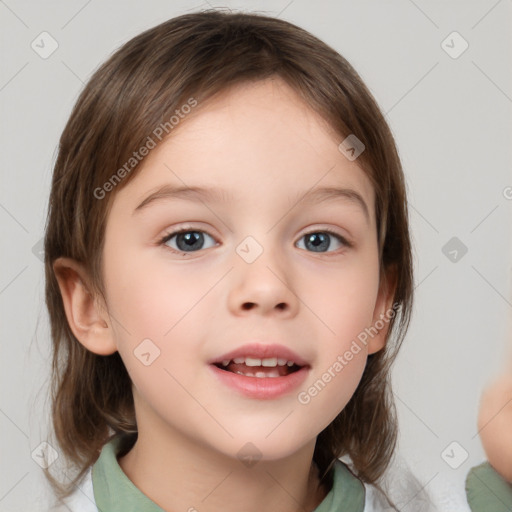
x,y
115,492
487,491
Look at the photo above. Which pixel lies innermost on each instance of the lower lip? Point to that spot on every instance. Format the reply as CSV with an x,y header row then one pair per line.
x,y
262,387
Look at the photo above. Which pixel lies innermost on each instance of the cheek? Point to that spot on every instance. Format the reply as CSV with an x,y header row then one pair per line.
x,y
149,296
344,304
344,301
154,309
329,389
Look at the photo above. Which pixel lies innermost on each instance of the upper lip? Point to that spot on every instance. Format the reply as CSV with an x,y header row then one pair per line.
x,y
261,351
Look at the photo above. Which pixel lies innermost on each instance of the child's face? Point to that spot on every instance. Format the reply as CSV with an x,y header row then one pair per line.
x,y
263,149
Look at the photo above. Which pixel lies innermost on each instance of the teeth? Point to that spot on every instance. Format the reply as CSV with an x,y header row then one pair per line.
x,y
270,362
260,375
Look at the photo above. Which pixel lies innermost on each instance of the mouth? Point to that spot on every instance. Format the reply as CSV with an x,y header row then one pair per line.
x,y
261,371
269,367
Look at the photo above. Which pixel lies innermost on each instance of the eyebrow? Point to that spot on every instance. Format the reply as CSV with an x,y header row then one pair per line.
x,y
207,194
212,195
335,193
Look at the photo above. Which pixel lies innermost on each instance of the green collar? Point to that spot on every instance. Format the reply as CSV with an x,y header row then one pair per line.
x,y
487,490
115,492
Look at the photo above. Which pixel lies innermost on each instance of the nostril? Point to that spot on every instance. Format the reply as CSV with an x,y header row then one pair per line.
x,y
250,305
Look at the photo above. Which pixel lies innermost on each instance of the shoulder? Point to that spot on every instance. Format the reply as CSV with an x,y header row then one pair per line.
x,y
81,500
486,490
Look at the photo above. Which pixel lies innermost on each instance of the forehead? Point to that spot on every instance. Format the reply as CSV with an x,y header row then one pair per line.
x,y
258,137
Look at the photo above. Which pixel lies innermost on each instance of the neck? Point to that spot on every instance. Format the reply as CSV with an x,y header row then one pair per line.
x,y
179,474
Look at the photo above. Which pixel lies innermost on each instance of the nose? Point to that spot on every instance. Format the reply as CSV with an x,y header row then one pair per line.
x,y
262,287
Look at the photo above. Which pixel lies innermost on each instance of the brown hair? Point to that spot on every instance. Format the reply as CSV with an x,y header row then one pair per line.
x,y
139,87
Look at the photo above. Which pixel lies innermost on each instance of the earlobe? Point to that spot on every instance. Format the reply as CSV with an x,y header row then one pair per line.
x,y
383,312
87,319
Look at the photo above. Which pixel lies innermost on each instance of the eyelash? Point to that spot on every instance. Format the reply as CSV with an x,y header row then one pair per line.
x,y
169,236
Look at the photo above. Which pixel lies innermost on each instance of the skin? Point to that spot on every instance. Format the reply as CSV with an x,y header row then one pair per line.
x,y
262,144
495,424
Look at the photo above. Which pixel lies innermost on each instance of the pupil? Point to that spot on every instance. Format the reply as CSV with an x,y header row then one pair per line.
x,y
319,241
192,240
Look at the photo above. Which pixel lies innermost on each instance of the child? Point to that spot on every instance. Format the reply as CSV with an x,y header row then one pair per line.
x,y
495,425
489,485
229,277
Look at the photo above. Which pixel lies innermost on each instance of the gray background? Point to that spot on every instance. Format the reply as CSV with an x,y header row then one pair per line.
x,y
452,121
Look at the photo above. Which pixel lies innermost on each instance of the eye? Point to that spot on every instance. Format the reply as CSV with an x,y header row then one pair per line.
x,y
186,240
321,241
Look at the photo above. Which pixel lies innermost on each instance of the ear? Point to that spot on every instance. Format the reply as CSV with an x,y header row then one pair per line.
x,y
86,315
383,311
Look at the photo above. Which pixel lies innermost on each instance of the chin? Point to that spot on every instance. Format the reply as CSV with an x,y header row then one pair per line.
x,y
251,449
